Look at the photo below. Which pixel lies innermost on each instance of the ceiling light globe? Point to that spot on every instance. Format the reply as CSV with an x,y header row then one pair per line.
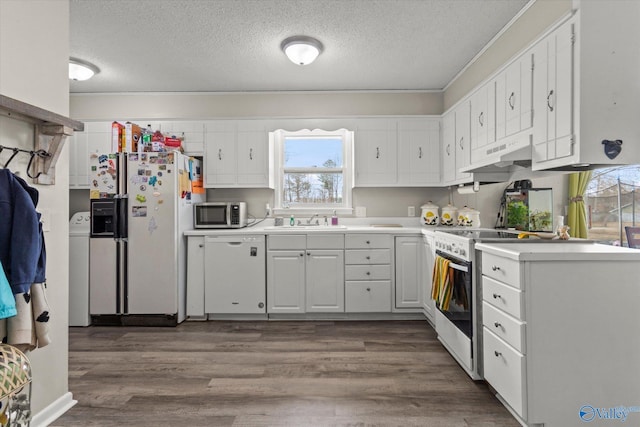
x,y
301,50
80,71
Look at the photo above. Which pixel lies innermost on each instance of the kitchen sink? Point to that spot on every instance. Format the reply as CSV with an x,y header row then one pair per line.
x,y
306,227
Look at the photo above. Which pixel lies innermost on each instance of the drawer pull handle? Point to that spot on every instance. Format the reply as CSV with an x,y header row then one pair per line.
x,y
497,325
301,253
368,242
201,245
368,257
497,353
495,268
368,273
368,289
496,296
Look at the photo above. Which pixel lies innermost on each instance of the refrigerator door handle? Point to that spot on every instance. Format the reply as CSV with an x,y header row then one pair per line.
x,y
123,219
116,218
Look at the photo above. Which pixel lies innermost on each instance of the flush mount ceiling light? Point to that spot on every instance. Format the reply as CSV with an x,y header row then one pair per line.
x,y
301,50
81,70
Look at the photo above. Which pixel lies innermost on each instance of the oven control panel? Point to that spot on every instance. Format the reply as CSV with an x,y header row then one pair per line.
x,y
454,245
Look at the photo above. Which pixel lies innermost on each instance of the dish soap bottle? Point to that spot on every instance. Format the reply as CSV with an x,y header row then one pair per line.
x,y
334,218
292,221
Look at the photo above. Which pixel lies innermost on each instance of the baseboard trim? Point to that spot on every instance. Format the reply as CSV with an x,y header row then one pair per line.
x,y
53,411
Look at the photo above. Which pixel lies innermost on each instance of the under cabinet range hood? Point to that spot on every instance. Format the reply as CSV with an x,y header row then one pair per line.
x,y
506,155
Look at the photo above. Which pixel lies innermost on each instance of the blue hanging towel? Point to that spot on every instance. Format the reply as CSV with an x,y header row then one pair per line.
x,y
7,300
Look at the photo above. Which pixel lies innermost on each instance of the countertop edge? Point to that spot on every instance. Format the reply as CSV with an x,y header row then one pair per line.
x,y
324,230
537,252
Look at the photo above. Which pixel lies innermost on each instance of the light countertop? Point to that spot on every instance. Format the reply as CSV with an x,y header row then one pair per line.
x,y
396,226
569,251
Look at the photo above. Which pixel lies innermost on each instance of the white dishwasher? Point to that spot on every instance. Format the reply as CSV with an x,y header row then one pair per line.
x,y
235,274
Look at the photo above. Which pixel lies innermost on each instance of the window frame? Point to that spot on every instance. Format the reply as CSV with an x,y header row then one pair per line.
x,y
347,169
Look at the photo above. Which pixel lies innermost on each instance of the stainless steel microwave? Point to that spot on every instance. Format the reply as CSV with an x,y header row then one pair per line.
x,y
220,215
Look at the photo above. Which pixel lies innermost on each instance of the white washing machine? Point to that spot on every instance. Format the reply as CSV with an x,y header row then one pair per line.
x,y
79,229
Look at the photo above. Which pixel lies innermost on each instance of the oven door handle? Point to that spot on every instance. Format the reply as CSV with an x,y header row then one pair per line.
x,y
458,267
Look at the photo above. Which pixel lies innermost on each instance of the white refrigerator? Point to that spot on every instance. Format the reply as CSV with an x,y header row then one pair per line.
x,y
141,204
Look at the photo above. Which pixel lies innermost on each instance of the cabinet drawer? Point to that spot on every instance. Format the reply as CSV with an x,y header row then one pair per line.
x,y
503,269
506,327
325,241
366,297
504,369
371,256
367,272
365,241
288,242
503,297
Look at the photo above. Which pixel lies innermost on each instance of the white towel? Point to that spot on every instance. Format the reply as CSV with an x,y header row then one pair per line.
x,y
20,330
40,313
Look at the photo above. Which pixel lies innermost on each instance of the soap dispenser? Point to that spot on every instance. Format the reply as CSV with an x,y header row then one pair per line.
x,y
334,218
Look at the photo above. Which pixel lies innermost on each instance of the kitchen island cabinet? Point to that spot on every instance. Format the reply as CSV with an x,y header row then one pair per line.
x,y
560,329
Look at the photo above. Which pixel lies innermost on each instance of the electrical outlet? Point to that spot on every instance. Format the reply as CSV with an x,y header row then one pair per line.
x,y
411,211
361,211
267,208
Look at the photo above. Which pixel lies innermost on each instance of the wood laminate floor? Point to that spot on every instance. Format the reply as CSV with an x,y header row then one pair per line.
x,y
307,373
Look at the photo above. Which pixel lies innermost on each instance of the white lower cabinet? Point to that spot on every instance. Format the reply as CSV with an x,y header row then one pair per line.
x,y
195,276
504,330
428,261
368,273
504,369
305,273
286,281
408,281
325,280
552,359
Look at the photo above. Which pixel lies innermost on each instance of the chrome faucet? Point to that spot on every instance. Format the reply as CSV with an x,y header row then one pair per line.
x,y
311,219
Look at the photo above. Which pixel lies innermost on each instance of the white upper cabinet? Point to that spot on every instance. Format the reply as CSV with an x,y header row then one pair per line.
x,y
191,132
375,155
483,121
480,118
449,147
96,139
418,152
253,154
463,139
237,153
513,98
553,95
592,66
220,166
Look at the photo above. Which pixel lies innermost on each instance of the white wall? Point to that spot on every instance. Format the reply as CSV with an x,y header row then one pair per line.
x,y
34,50
487,200
138,106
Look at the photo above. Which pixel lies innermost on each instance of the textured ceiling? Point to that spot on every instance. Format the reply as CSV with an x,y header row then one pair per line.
x,y
234,45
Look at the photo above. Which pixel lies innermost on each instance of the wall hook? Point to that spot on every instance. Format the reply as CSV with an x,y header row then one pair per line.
x,y
15,152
